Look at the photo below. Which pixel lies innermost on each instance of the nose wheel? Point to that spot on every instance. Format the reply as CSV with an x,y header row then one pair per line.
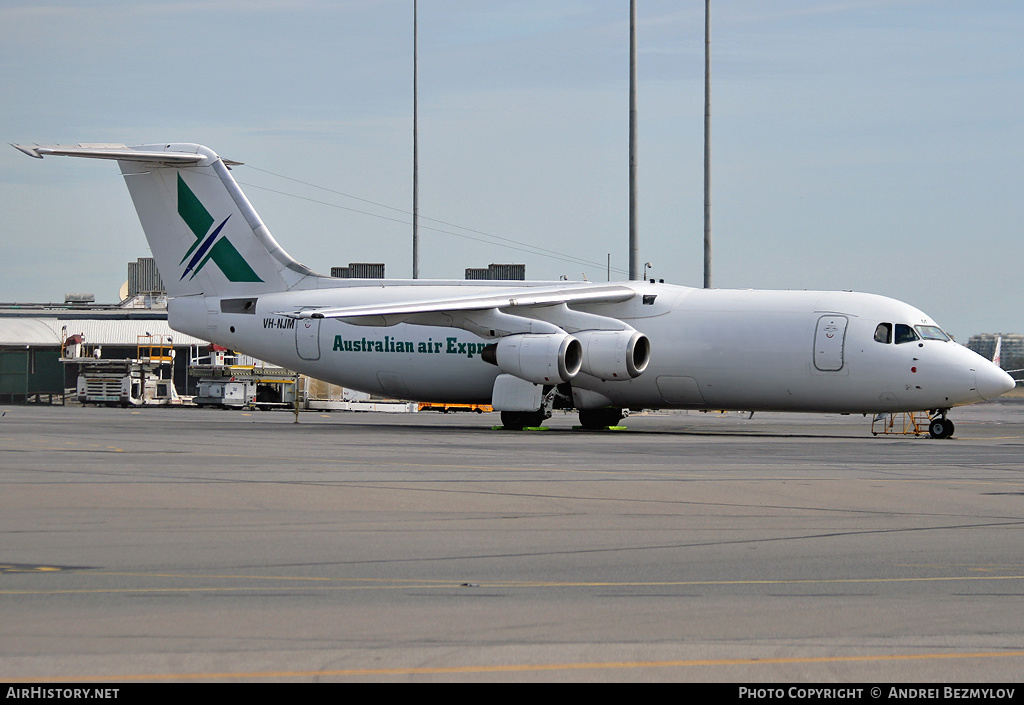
x,y
941,427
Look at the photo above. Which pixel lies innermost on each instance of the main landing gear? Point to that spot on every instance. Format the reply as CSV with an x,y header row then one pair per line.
x,y
597,419
940,426
518,420
593,419
554,397
560,397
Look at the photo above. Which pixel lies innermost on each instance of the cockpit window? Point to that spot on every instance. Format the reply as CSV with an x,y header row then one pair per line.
x,y
905,334
883,333
931,333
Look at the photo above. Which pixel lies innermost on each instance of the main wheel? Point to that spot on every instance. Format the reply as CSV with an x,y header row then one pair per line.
x,y
518,420
596,419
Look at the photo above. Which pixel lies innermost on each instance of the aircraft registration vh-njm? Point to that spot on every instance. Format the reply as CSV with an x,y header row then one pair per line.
x,y
528,347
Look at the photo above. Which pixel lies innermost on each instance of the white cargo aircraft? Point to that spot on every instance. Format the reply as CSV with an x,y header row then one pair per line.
x,y
528,347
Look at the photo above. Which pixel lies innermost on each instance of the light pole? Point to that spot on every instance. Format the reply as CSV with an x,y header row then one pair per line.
x,y
415,149
707,144
634,245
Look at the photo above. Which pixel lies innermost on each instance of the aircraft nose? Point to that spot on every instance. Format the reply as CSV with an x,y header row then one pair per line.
x,y
992,381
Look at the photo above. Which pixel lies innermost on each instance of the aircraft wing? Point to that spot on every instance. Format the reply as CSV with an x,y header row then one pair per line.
x,y
520,309
512,298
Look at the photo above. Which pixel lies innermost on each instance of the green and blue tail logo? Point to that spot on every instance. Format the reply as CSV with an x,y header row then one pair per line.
x,y
209,245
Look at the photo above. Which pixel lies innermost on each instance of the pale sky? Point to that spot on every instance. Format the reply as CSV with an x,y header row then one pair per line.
x,y
857,144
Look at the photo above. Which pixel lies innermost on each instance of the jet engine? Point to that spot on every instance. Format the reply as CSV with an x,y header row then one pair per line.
x,y
614,354
551,358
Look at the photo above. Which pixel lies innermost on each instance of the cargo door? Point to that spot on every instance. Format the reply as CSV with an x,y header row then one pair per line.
x,y
829,340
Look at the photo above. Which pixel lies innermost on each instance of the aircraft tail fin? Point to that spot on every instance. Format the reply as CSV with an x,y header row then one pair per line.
x,y
205,236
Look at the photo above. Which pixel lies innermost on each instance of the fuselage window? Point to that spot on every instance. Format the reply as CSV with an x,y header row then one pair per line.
x,y
883,334
931,333
905,334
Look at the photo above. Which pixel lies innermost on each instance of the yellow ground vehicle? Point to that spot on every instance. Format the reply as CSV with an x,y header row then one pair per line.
x,y
445,408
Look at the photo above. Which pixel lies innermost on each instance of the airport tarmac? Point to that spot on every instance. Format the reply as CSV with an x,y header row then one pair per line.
x,y
175,544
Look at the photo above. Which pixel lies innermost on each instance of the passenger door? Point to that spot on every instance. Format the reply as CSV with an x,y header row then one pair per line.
x,y
829,340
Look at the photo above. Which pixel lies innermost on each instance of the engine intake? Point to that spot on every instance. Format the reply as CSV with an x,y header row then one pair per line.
x,y
614,354
542,359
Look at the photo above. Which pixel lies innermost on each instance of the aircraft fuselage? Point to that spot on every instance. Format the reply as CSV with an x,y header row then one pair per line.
x,y
710,349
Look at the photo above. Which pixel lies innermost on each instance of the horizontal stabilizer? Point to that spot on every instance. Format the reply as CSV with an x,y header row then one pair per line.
x,y
111,151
